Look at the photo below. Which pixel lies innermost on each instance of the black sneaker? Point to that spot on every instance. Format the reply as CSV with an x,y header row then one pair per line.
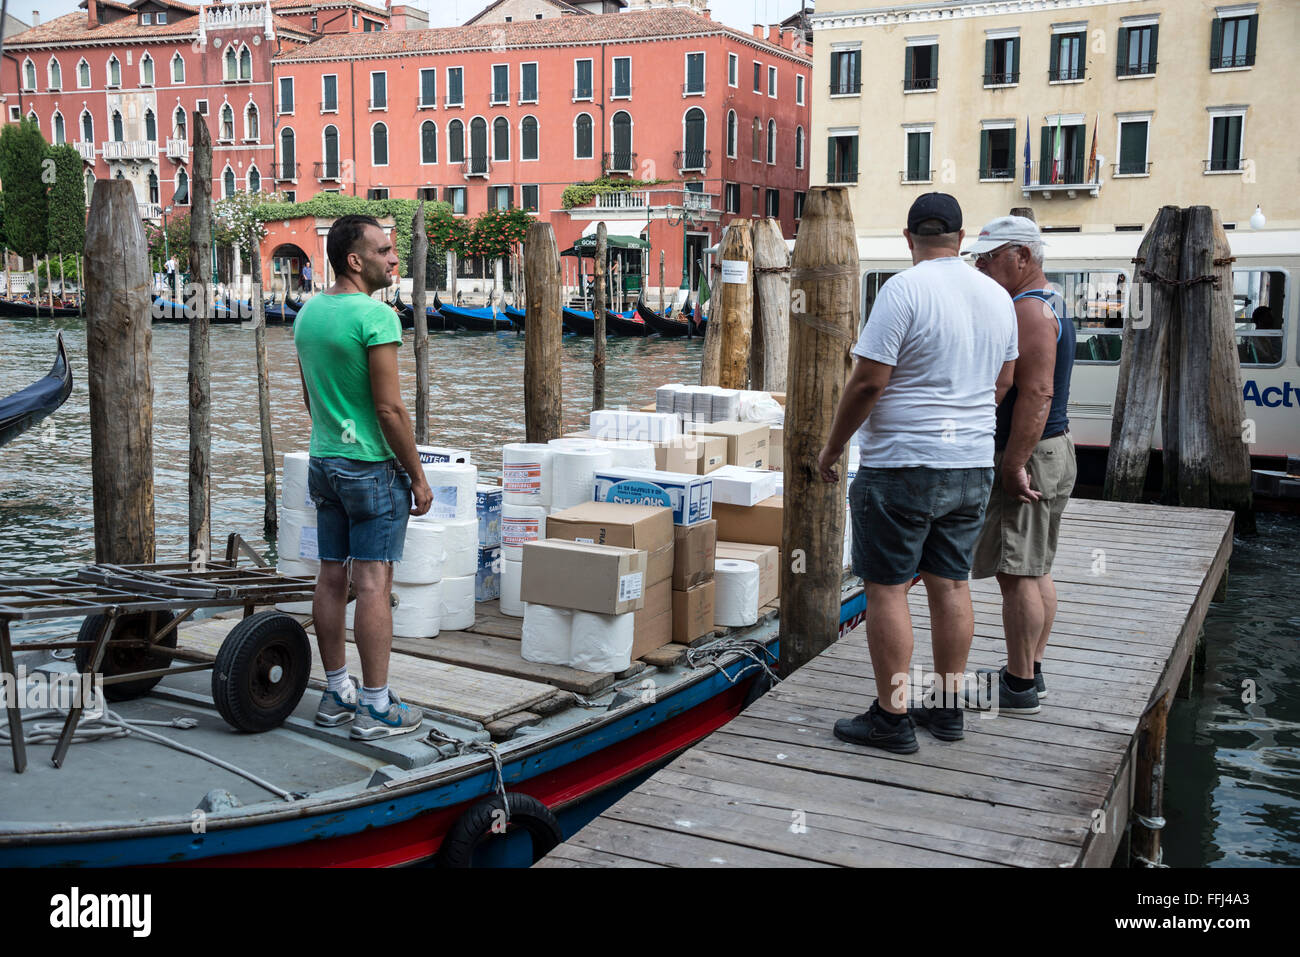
x,y
1008,701
946,724
874,731
1039,684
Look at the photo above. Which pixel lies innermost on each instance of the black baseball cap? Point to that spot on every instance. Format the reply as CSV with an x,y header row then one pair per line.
x,y
938,206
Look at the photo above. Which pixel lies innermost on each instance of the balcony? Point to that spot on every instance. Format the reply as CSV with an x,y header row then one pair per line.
x,y
285,172
906,176
841,173
452,100
1131,169
846,87
1066,74
328,172
1001,79
913,83
149,210
1067,177
624,93
583,93
1136,68
1231,62
476,166
130,149
1224,164
619,161
86,150
697,202
998,172
691,160
624,199
177,148
378,105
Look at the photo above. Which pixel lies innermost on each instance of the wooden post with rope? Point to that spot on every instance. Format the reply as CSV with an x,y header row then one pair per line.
x,y
1149,785
728,334
598,324
200,387
270,520
419,255
823,316
543,408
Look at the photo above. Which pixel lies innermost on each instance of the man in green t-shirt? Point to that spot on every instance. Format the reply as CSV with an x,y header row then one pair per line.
x,y
364,472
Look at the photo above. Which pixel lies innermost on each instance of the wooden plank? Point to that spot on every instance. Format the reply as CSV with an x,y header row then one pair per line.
x,y
640,842
569,855
499,655
503,729
488,620
666,656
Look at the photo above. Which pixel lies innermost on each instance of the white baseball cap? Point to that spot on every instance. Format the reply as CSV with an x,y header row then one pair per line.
x,y
1003,230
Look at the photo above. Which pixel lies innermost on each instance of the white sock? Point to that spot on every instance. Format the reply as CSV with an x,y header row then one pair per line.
x,y
339,680
376,698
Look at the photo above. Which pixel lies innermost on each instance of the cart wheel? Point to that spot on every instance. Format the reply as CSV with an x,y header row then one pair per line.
x,y
140,626
261,671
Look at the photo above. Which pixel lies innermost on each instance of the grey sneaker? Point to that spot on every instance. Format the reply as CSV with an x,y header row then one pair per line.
x,y
994,684
1039,684
398,719
336,709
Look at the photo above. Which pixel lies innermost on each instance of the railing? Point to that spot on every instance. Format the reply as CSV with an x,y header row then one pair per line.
x,y
920,83
698,202
624,199
1230,61
1066,173
526,97
1224,164
178,148
1131,169
285,171
1064,73
691,90
916,176
327,171
1001,79
450,100
845,87
232,16
86,150
476,166
1141,68
692,160
619,161
149,210
380,103
130,149
616,94
328,107
584,93
841,172
998,172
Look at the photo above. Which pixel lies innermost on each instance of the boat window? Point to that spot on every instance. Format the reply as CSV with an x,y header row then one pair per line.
x,y
871,283
1260,307
1097,301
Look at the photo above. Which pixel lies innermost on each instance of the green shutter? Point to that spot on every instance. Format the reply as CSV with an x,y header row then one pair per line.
x,y
1121,51
1216,42
1014,67
1233,146
1010,168
1155,36
857,70
914,156
934,64
1133,148
1045,154
1077,161
984,153
853,157
988,60
1253,20
1054,66
908,67
835,71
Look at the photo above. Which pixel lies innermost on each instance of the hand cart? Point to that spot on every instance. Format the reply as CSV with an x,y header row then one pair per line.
x,y
132,613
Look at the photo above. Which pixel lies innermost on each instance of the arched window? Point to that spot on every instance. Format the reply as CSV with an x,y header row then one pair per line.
x,y
250,122
153,187
528,138
428,142
178,68
756,147
622,158
501,139
182,196
228,183
55,74
31,115
245,64
87,127
56,124
178,123
146,70
29,74
230,64
114,71
798,147
693,137
331,152
150,126
287,159
731,133
478,145
379,144
117,127
455,142
254,180
227,123
582,137
771,141
83,74
90,185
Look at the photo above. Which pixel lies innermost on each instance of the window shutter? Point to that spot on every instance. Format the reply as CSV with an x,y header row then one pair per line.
x,y
856,79
984,154
908,66
988,59
1014,66
1009,169
913,155
1155,36
1077,161
1216,42
1233,145
1121,48
934,64
1054,65
1045,154
1253,21
853,156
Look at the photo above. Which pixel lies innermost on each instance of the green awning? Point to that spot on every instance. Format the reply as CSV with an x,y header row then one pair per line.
x,y
586,245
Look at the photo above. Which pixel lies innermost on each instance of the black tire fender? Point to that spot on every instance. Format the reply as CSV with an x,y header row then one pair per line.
x,y
481,821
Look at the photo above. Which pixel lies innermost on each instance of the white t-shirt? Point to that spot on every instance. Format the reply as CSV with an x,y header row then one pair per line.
x,y
946,328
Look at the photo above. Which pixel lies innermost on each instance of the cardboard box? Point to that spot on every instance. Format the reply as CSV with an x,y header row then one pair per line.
x,y
636,426
754,524
747,442
648,528
768,560
776,448
693,613
487,578
735,485
693,554
487,505
433,453
689,496
653,624
599,578
692,454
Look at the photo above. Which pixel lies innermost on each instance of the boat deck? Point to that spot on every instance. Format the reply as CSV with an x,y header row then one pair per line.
x,y
775,788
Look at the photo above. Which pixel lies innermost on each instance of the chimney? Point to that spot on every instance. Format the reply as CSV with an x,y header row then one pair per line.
x,y
707,13
759,29
36,18
92,14
774,34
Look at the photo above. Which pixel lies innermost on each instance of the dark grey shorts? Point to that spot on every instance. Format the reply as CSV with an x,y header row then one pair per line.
x,y
916,520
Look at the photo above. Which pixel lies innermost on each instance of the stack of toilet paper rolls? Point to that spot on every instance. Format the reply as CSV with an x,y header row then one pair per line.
x,y
455,498
577,639
297,555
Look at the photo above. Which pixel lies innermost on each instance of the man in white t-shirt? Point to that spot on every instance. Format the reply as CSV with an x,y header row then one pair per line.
x,y
937,353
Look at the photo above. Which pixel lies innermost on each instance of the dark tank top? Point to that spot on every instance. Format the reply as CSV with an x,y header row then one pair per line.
x,y
1057,418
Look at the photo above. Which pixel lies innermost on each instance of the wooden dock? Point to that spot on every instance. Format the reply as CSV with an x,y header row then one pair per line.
x,y
775,788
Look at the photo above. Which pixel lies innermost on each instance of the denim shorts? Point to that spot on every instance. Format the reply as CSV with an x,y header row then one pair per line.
x,y
918,519
361,508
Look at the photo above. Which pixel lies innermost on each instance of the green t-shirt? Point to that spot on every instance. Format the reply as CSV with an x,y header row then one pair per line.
x,y
333,335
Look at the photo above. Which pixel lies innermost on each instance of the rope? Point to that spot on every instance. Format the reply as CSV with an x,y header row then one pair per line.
x,y
462,747
1191,281
1158,862
822,273
746,647
1150,823
821,325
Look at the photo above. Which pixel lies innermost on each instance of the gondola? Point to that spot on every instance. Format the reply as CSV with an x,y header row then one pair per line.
x,y
435,321
484,319
578,321
581,322
627,323
278,311
31,310
668,325
223,313
516,316
25,408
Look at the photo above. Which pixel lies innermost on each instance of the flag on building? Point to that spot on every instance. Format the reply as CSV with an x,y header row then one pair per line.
x,y
702,290
1092,154
1056,152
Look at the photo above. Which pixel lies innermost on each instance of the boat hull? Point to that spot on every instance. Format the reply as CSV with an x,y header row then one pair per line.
x,y
24,409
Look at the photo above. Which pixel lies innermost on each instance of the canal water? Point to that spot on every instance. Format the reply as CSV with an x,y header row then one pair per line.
x,y
1233,796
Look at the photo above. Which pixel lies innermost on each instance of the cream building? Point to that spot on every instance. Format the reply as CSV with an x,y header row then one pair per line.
x,y
1189,101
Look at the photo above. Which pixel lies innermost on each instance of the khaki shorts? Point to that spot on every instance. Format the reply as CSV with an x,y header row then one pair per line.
x,y
1019,538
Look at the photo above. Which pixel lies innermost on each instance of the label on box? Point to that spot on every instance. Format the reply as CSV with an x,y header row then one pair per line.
x,y
309,544
516,531
638,493
735,271
629,586
585,541
444,501
523,478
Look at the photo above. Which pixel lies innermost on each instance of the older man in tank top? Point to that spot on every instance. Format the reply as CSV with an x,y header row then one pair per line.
x,y
1035,465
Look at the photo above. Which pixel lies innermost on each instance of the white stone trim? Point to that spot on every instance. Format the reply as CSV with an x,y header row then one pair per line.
x,y
1236,10
1076,26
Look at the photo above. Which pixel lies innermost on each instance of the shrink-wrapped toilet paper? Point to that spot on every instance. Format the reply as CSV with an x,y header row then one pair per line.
x,y
602,642
573,474
422,554
454,488
547,634
457,602
512,574
526,473
521,524
735,595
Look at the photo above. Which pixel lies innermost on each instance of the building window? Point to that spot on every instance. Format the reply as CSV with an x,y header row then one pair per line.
x,y
117,127
178,68
918,157
798,90
245,64
1137,50
56,124
500,83
288,163
753,201
798,147
29,75
582,79
290,196
87,125
732,197
230,64
771,142
150,126
227,124
329,93
501,140
455,195
182,195
254,180
83,74
55,75
286,94
201,107
378,192
146,70
428,89
622,157
798,205
921,67
330,167
1061,153
582,137
428,142
756,141
694,74
695,157
379,91
529,198
846,72
1225,143
455,142
622,77
1232,42
501,197
178,123
114,72
315,25
455,86
731,134
528,83
758,77
997,152
1001,61
228,183
1132,148
427,193
771,81
478,145
528,138
251,125
15,113
733,70
146,19
773,208
1067,62
842,158
160,18
379,144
